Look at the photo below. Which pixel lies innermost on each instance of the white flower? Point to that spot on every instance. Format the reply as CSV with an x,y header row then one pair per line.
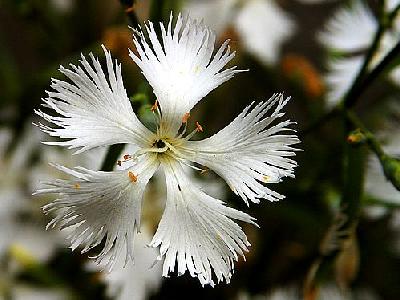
x,y
196,232
351,31
352,28
252,20
15,199
391,4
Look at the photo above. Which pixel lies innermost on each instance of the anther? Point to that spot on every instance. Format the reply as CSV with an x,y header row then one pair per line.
x,y
77,186
199,127
119,163
204,170
185,118
155,106
132,177
127,156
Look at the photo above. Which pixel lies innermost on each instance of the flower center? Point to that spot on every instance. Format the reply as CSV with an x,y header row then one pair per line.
x,y
159,144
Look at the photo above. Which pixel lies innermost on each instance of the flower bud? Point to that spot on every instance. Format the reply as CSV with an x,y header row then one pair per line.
x,y
391,168
356,137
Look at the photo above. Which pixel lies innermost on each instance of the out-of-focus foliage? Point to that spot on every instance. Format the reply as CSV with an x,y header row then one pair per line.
x,y
317,242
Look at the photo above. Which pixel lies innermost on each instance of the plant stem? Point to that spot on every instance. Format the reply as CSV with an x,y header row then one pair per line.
x,y
130,11
364,79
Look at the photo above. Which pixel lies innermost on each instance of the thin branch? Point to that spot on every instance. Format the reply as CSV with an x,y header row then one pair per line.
x,y
129,6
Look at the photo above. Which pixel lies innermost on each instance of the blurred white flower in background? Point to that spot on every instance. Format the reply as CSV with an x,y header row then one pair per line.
x,y
16,200
26,292
351,31
23,238
342,72
391,4
327,291
136,281
63,6
315,1
261,25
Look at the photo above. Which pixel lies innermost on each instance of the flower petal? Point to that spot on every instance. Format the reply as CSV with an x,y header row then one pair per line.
x,y
101,206
341,74
249,152
180,68
352,28
94,111
196,231
253,24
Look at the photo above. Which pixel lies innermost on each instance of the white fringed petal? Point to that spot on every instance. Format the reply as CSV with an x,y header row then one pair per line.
x,y
181,68
101,206
249,152
94,110
352,28
196,231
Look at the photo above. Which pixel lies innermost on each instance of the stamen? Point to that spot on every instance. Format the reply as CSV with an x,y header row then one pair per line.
x,y
77,186
182,129
132,177
204,170
156,114
198,127
185,118
129,157
155,106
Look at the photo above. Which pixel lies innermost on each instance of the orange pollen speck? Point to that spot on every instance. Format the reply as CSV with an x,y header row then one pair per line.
x,y
77,186
185,117
199,127
132,177
155,105
127,156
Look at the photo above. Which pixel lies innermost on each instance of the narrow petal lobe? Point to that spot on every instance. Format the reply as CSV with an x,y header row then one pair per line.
x,y
196,231
250,152
92,111
181,68
101,206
